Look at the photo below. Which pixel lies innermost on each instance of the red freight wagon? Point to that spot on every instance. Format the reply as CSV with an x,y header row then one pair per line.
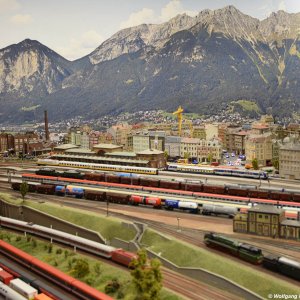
x,y
42,297
5,277
123,257
156,202
136,199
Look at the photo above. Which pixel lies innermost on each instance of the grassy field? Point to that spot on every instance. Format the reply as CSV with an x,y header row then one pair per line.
x,y
108,227
185,255
100,274
247,105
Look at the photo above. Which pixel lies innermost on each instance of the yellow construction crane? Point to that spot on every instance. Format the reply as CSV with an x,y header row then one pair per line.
x,y
179,112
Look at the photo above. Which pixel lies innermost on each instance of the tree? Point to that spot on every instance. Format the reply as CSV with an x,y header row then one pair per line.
x,y
209,158
81,268
146,276
24,189
275,163
166,155
255,164
187,155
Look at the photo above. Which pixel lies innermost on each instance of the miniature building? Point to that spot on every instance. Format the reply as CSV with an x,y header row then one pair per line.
x,y
155,157
100,149
240,223
289,161
267,220
290,229
62,148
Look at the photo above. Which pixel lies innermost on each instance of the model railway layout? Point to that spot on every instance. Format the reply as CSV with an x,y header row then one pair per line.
x,y
117,255
133,179
154,171
253,255
244,251
100,191
76,287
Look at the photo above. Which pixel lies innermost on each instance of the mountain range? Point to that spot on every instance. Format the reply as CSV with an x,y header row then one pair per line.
x,y
202,63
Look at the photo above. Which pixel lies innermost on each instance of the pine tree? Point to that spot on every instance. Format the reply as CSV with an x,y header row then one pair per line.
x,y
24,189
146,276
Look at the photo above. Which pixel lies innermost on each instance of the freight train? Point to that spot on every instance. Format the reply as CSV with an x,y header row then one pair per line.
x,y
98,194
253,255
133,179
194,196
78,288
46,291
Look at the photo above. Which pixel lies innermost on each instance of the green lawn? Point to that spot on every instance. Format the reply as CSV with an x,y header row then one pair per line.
x,y
108,227
65,260
185,255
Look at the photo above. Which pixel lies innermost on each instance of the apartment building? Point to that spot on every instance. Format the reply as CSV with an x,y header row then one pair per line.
x,y
22,142
209,150
172,146
189,147
289,161
199,132
259,147
120,133
6,142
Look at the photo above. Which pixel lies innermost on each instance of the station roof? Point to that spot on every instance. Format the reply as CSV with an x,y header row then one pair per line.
x,y
102,158
65,147
292,223
261,208
150,151
119,153
80,150
107,146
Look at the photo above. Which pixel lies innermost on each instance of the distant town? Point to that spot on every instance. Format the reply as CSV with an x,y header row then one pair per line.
x,y
223,139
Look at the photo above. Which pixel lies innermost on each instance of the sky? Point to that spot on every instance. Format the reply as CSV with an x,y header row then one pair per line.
x,y
74,28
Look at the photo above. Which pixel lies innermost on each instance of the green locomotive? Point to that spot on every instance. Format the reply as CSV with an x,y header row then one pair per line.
x,y
244,251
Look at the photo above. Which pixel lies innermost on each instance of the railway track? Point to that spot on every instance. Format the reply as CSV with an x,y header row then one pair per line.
x,y
188,235
176,282
207,293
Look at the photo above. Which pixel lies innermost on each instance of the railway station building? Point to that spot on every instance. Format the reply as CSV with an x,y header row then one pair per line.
x,y
266,220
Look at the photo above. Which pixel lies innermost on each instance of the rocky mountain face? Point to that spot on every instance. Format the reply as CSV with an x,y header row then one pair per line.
x,y
200,62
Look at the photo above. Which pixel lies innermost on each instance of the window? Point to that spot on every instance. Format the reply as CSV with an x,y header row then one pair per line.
x,y
260,216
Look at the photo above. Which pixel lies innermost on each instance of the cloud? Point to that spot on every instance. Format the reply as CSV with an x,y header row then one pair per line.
x,y
81,46
146,15
172,9
282,5
21,19
8,5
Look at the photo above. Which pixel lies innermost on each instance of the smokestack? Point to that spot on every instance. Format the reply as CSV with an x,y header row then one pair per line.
x,y
46,125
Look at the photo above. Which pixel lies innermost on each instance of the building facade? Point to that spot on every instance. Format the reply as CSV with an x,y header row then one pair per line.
x,y
172,146
289,161
266,220
259,147
189,147
209,151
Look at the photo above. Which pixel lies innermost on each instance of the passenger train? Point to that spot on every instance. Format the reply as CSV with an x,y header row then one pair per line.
x,y
154,171
218,171
102,167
